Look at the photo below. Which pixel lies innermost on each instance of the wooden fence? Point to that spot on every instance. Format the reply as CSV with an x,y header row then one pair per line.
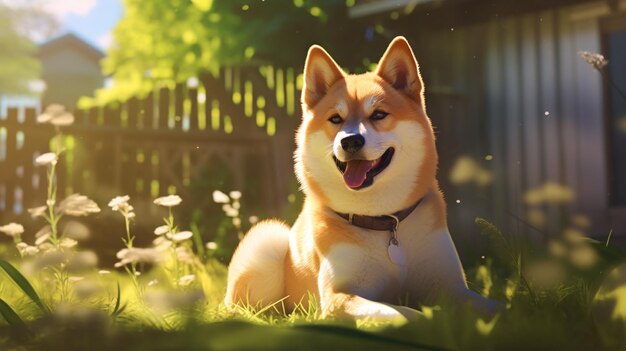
x,y
230,132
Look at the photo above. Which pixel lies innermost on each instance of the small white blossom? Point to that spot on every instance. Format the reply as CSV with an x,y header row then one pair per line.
x,y
220,198
56,115
160,230
118,202
37,211
68,243
136,254
49,158
42,239
186,279
27,250
211,245
253,219
12,229
161,243
235,195
153,282
180,236
596,60
78,205
168,201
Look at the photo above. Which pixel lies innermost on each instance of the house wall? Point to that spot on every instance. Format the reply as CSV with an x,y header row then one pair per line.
x,y
524,97
69,74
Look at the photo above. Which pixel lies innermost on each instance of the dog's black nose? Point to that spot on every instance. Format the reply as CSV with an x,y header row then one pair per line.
x,y
353,143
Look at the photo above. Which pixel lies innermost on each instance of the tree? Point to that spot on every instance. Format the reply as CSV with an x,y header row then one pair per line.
x,y
170,41
18,64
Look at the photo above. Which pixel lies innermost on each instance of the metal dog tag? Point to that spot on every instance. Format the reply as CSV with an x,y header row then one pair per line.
x,y
396,255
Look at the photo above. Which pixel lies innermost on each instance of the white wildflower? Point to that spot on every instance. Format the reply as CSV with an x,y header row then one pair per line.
x,y
220,198
56,115
211,245
180,236
236,205
253,219
118,202
235,195
138,255
38,211
45,230
160,230
161,243
49,158
12,229
27,250
596,60
68,243
186,279
78,205
168,201
42,239
153,282
47,247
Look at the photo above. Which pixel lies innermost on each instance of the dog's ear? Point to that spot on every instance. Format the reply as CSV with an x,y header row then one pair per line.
x,y
320,73
400,69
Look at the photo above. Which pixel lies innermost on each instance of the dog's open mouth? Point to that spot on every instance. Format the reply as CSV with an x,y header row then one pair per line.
x,y
359,174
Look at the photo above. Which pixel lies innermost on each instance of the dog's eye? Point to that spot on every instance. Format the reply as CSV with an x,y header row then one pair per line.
x,y
335,119
378,115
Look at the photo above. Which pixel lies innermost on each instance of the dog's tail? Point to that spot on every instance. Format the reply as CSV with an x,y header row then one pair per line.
x,y
256,275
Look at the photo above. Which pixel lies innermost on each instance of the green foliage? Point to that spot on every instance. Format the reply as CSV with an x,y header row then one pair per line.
x,y
23,284
9,315
162,42
17,62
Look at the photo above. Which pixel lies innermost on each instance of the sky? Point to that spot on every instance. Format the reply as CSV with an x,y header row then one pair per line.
x,y
92,20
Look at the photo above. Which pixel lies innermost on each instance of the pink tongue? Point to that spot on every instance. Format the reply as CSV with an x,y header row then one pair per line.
x,y
356,172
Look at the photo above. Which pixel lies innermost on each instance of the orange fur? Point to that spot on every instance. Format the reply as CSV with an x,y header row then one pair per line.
x,y
342,266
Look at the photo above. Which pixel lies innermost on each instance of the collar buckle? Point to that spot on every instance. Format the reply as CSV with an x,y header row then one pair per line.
x,y
394,230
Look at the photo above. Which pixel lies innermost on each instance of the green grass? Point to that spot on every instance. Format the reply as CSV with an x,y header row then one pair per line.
x,y
582,309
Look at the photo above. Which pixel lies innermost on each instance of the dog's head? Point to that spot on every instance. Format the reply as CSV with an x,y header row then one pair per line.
x,y
365,145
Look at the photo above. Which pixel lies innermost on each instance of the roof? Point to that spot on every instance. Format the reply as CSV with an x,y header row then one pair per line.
x,y
70,40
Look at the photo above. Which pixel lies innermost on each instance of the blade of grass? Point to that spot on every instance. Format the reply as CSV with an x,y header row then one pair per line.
x,y
9,314
116,309
23,284
608,239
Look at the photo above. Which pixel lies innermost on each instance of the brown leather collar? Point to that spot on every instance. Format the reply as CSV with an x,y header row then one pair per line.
x,y
385,222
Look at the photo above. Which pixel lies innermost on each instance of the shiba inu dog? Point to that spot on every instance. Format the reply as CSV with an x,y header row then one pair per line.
x,y
372,231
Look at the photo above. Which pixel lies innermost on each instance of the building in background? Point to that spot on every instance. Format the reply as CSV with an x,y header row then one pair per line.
x,y
506,86
70,69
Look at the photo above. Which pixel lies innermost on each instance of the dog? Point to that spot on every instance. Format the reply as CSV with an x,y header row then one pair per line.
x,y
372,231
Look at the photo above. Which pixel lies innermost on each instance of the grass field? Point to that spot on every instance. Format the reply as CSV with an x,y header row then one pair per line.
x,y
60,305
